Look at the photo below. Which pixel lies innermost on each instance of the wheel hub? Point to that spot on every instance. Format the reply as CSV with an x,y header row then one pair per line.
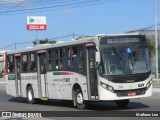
x,y
30,95
79,98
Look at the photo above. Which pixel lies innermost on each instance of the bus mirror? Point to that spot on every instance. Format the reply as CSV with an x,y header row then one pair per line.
x,y
98,57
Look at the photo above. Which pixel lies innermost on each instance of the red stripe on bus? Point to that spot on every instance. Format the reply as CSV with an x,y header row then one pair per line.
x,y
17,55
90,44
41,51
67,73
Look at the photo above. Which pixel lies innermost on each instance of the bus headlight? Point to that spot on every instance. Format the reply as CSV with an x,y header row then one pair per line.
x,y
149,84
108,87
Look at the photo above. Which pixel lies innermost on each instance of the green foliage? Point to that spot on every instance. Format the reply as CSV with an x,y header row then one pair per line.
x,y
44,41
151,44
152,51
152,47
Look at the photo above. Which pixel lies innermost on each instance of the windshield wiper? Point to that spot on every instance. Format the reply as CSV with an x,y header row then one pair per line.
x,y
129,63
115,51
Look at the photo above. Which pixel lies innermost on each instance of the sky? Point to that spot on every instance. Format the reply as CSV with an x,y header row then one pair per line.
x,y
115,17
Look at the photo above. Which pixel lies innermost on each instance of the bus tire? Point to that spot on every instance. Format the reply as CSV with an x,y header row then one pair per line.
x,y
122,103
80,103
30,95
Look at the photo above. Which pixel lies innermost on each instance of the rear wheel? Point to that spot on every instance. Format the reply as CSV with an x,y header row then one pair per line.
x,y
30,95
122,103
80,103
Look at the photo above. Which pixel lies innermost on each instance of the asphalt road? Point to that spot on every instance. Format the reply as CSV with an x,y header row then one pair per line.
x,y
10,103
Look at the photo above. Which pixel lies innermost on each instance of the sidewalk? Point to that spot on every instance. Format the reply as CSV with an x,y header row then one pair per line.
x,y
2,80
154,78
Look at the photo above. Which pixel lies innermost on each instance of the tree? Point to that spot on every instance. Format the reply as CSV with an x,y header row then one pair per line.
x,y
151,44
152,52
44,41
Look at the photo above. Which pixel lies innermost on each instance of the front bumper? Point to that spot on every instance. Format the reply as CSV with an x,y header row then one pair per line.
x,y
105,95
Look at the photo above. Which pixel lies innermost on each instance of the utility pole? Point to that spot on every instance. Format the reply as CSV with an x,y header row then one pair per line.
x,y
156,41
30,43
36,36
73,35
15,46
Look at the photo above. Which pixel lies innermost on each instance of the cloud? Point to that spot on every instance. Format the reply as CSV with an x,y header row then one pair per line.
x,y
14,2
67,11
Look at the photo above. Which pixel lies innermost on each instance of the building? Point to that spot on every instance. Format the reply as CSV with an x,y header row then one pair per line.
x,y
2,60
150,34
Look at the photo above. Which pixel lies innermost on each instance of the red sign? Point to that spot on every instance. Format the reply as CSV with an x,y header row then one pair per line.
x,y
36,27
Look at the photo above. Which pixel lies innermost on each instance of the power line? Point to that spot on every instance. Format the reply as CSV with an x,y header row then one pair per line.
x,y
8,46
22,42
14,6
149,27
53,6
65,36
59,37
61,5
13,45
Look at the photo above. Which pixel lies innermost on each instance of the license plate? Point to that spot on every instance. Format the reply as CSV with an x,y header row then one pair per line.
x,y
131,93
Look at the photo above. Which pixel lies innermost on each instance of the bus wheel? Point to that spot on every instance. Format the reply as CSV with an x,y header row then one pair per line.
x,y
122,103
80,103
30,95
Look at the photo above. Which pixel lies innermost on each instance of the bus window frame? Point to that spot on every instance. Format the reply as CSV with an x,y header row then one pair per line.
x,y
35,61
28,61
68,49
8,63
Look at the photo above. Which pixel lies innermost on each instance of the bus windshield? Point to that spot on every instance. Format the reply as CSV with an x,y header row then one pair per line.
x,y
124,59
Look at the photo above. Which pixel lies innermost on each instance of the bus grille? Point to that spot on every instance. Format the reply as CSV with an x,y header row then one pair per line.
x,y
123,93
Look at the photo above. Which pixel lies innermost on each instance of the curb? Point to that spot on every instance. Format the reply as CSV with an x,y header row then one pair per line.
x,y
2,82
156,86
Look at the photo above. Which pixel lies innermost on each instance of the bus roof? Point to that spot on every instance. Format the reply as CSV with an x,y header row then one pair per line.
x,y
67,43
110,35
49,46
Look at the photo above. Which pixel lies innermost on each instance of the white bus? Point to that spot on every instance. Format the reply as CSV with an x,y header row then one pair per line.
x,y
100,68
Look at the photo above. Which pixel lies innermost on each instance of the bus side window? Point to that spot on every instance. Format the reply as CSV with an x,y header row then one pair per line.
x,y
81,53
92,52
25,63
78,58
32,63
11,68
64,59
69,57
74,58
52,61
60,66
11,64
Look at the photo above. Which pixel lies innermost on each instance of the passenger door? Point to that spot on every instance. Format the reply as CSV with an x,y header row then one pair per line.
x,y
92,72
18,75
42,73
